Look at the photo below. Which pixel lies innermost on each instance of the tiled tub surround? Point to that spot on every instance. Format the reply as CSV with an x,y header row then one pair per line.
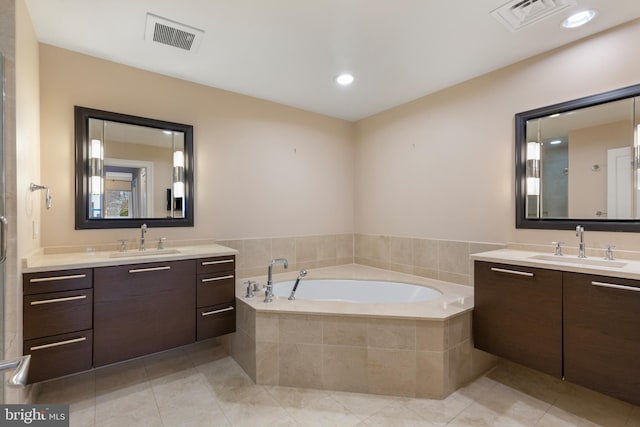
x,y
446,260
301,251
411,349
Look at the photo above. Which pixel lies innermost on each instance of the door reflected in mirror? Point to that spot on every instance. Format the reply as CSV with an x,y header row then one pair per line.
x,y
131,170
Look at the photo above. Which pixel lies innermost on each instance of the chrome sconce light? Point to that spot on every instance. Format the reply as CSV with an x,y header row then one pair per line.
x,y
47,195
178,170
533,169
96,166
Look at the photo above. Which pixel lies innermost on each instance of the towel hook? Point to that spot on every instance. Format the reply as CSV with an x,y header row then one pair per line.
x,y
47,194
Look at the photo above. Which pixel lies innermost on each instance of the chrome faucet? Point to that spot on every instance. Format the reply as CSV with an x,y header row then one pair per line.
x,y
581,246
268,293
143,231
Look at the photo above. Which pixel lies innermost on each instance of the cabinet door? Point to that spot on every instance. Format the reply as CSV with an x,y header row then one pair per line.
x,y
602,334
518,315
142,309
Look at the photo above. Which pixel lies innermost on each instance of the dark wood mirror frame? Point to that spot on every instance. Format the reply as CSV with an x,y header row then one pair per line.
x,y
82,116
630,225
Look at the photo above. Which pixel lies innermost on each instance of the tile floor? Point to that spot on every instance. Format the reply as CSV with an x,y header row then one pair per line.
x,y
200,385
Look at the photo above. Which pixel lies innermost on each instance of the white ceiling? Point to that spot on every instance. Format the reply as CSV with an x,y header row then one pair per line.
x,y
289,51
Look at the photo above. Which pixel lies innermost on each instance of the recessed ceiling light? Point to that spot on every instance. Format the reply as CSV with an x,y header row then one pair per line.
x,y
344,79
557,141
579,18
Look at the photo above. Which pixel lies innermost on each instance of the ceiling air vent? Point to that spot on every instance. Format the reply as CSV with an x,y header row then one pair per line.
x,y
517,14
171,33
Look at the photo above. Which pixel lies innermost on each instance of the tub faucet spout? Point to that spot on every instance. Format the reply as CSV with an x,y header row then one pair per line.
x,y
268,293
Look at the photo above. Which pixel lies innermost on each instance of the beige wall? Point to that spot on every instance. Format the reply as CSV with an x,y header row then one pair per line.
x,y
262,169
443,166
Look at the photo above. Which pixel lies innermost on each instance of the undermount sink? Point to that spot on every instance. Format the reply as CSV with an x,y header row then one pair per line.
x,y
581,261
148,252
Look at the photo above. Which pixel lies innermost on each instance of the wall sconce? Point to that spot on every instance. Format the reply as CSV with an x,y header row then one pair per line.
x,y
178,174
533,169
96,166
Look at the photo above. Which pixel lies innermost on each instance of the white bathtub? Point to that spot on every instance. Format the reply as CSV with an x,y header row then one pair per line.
x,y
362,291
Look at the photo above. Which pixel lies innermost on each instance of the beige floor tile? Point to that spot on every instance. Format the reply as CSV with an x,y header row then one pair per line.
x,y
534,383
255,410
502,406
440,411
594,407
188,400
364,405
128,400
393,416
324,412
143,416
200,386
293,397
634,418
556,417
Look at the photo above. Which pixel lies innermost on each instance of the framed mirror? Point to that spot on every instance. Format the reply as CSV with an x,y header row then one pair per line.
x,y
577,164
132,170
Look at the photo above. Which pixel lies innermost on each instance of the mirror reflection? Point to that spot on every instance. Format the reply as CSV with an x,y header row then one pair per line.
x,y
131,170
580,163
135,171
577,163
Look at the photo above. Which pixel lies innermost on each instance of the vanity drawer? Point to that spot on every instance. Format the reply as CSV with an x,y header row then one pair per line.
x,y
57,313
54,281
214,289
215,321
216,265
59,355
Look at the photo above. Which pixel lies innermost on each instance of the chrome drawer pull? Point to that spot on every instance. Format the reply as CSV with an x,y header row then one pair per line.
x,y
519,273
56,344
222,310
144,270
614,286
51,279
213,279
50,301
224,261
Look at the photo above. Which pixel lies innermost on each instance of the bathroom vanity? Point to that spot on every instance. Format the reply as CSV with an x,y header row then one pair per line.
x,y
565,317
114,309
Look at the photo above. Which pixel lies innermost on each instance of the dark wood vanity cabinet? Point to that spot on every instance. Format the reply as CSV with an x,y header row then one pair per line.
x,y
602,334
58,322
143,308
216,296
518,314
583,328
78,319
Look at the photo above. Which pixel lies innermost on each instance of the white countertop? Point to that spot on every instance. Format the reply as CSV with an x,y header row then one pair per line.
x,y
71,260
456,299
630,269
